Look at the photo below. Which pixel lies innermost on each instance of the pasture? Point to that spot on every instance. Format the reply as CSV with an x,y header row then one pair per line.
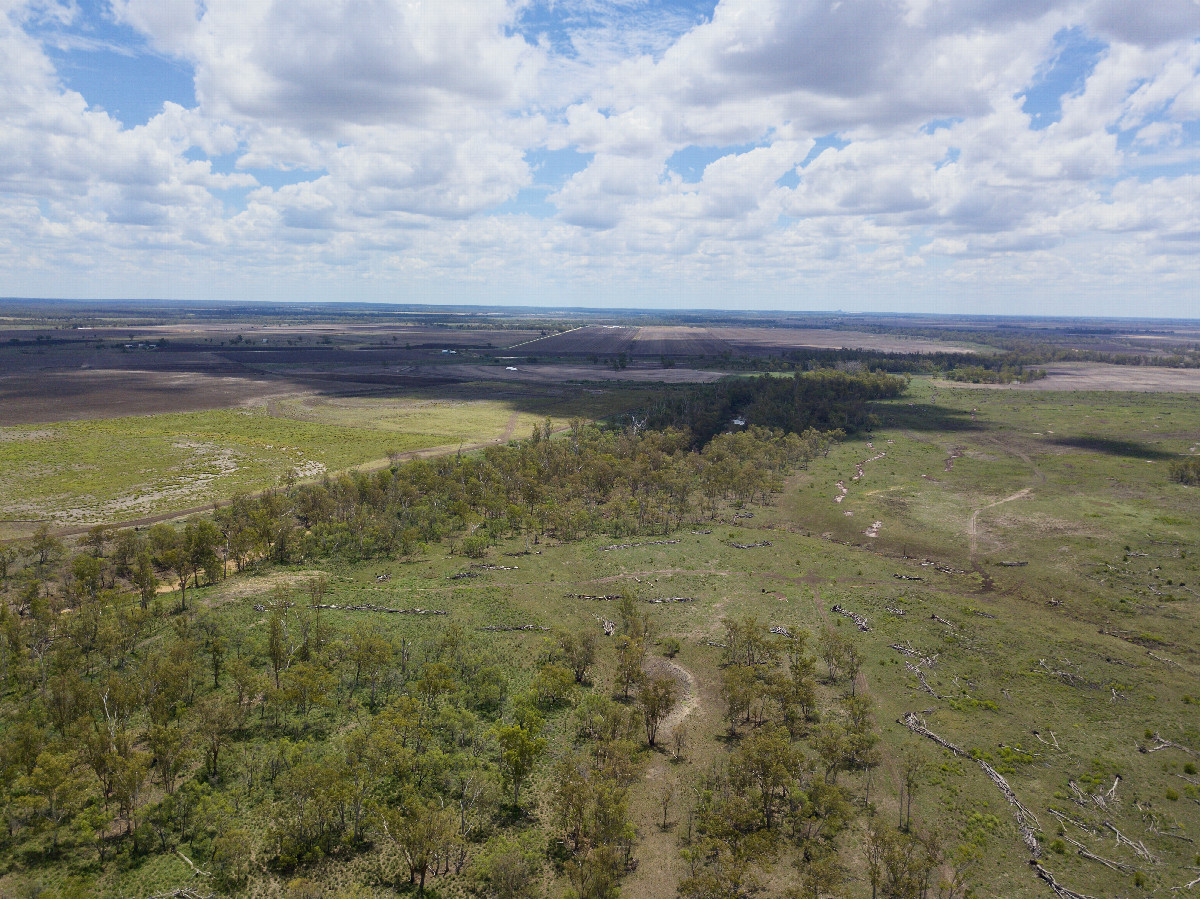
x,y
75,474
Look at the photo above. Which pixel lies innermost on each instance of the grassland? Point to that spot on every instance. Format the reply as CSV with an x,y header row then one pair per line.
x,y
1062,671
79,473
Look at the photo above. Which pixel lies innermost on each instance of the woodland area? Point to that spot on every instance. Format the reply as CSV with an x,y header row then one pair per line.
x,y
138,724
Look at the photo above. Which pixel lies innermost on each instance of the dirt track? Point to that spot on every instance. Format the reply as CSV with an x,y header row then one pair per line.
x,y
973,524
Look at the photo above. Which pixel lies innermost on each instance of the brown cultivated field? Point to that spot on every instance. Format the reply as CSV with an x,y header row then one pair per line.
x,y
605,340
28,398
768,340
681,340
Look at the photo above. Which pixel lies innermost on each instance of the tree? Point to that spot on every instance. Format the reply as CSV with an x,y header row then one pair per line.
x,y
656,699
145,580
215,720
577,651
171,554
508,867
54,790
420,830
170,754
911,767
46,547
630,652
520,749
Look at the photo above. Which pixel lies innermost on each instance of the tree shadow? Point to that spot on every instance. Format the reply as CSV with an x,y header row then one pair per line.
x,y
925,417
1112,446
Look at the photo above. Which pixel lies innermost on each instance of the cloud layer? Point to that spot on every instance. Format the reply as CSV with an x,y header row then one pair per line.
x,y
989,155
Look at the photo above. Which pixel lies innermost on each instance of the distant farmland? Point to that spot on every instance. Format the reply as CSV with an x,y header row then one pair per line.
x,y
691,342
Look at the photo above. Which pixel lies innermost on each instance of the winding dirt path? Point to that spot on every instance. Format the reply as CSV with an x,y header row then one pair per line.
x,y
973,524
688,700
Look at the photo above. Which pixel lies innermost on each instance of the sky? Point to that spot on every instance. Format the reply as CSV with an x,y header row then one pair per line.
x,y
953,156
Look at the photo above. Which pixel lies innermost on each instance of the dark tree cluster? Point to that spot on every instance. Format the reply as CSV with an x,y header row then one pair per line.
x,y
823,400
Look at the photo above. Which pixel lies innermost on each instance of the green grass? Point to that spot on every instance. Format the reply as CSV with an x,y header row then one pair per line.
x,y
89,472
1061,646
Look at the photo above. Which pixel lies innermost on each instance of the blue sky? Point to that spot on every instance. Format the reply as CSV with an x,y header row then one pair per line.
x,y
998,156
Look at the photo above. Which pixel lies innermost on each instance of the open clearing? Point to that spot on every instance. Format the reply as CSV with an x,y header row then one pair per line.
x,y
79,473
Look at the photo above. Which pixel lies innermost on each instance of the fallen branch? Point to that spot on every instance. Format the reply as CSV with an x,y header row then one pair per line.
x,y
780,631
941,621
371,607
1168,744
921,677
1082,825
605,597
514,627
605,549
664,599
1139,848
1186,886
927,661
1059,890
857,619
192,865
1082,850
1023,815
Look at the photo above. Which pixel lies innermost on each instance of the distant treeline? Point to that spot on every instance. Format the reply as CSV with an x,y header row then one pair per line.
x,y
823,400
1002,368
1056,346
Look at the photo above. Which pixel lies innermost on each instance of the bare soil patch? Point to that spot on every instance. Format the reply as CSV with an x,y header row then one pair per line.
x,y
35,397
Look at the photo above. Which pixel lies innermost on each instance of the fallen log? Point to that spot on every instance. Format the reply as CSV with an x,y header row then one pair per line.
x,y
1139,848
927,661
750,545
857,619
1059,890
1023,815
1083,852
921,677
1168,744
192,865
514,627
1082,825
1186,886
371,607
605,549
